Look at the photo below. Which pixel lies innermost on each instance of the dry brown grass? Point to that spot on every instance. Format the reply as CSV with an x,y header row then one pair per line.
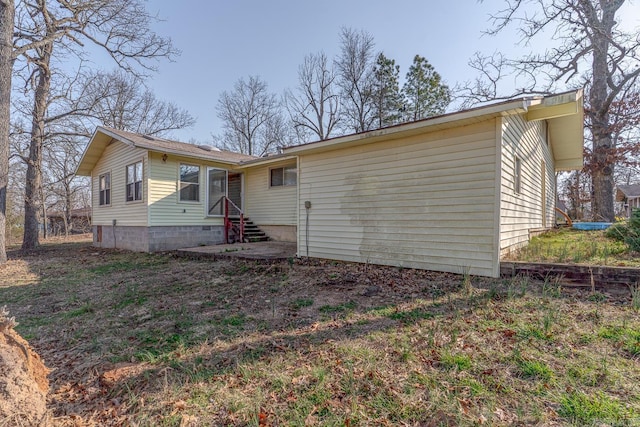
x,y
139,339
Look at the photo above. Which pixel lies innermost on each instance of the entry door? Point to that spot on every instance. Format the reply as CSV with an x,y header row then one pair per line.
x,y
216,189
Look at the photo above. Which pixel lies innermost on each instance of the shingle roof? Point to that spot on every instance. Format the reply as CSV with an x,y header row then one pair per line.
x,y
166,145
632,190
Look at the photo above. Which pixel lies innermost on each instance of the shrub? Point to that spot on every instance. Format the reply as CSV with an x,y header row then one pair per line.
x,y
618,231
627,232
633,237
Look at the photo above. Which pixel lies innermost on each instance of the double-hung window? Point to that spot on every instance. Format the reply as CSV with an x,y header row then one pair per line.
x,y
134,181
104,189
189,183
284,176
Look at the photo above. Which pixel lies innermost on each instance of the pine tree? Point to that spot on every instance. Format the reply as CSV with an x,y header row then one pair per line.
x,y
425,93
387,98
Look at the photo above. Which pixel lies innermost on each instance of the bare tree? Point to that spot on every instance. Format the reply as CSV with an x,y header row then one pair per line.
x,y
121,101
251,118
61,184
576,190
591,50
355,71
314,106
7,10
120,27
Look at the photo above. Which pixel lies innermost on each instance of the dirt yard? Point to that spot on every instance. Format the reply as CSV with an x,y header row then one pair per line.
x,y
141,339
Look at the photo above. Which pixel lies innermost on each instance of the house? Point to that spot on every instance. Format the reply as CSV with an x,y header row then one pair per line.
x,y
448,193
629,196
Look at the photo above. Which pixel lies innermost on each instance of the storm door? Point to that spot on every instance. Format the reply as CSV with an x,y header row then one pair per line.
x,y
216,191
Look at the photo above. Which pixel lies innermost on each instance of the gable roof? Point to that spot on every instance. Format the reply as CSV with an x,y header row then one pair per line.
x,y
628,191
104,135
564,113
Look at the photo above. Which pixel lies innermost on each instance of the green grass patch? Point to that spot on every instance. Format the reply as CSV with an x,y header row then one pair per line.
x,y
534,332
234,320
411,315
338,308
628,338
85,309
460,362
301,303
577,246
583,409
535,369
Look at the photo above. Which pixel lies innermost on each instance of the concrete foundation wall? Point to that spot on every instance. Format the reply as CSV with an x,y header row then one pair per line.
x,y
184,236
131,238
160,238
281,233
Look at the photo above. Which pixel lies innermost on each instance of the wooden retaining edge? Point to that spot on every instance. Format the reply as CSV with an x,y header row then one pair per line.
x,y
574,274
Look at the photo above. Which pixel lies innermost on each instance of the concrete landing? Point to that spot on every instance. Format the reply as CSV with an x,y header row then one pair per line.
x,y
257,250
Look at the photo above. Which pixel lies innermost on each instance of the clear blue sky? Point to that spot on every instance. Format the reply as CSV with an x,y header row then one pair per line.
x,y
222,41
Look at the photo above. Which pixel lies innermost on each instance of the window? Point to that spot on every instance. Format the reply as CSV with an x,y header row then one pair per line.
x,y
104,189
284,176
189,183
134,181
517,175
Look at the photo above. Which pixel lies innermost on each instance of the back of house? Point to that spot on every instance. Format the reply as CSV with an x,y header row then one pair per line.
x,y
449,193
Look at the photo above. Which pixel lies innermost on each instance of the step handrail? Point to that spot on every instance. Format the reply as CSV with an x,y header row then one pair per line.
x,y
228,224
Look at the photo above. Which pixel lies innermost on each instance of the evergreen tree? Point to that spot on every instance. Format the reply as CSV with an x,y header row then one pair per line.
x,y
387,99
425,93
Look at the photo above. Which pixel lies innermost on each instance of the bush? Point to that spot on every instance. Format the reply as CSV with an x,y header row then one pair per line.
x,y
633,236
618,231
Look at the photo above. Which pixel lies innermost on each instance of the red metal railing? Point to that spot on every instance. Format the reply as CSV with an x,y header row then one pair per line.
x,y
228,224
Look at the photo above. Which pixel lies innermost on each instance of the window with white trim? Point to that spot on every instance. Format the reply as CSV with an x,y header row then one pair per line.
x,y
104,189
134,181
284,176
189,183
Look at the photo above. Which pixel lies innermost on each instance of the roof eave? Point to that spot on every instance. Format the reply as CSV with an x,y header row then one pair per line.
x,y
564,114
92,152
398,131
264,160
183,154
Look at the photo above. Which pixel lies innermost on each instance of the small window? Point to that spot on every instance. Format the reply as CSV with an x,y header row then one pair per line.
x,y
517,175
189,183
134,181
284,176
104,187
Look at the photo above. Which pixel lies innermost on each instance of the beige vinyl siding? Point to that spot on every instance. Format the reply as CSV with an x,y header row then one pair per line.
x,y
425,201
115,159
522,212
165,208
267,205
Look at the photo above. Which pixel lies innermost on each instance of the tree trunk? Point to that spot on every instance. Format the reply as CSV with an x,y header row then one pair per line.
x,y
602,166
7,11
33,187
67,207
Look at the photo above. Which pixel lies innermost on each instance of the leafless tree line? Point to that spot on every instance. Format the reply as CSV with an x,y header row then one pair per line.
x,y
52,113
355,92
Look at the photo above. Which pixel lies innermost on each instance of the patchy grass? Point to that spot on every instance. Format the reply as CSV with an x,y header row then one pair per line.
x,y
139,339
579,247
